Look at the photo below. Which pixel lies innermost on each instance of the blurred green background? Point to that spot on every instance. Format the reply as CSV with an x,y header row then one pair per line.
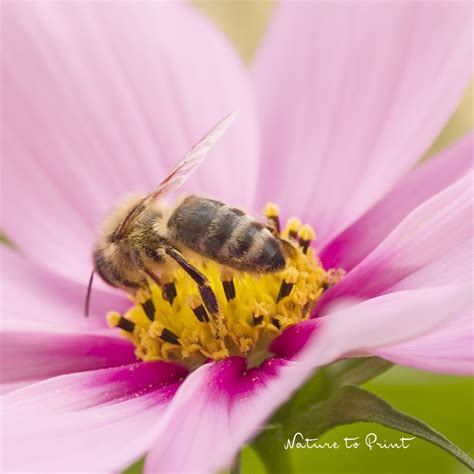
x,y
445,402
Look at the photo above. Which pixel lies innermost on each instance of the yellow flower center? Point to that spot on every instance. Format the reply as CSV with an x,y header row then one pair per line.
x,y
170,321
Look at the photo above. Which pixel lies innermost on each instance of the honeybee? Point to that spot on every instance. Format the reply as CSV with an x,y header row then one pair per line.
x,y
139,238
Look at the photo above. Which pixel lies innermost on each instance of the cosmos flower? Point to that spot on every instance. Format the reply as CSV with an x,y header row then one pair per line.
x,y
339,106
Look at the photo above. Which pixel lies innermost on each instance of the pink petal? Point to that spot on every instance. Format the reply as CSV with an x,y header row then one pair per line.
x,y
100,101
43,330
205,424
449,348
357,241
30,293
223,405
351,96
414,251
29,354
91,422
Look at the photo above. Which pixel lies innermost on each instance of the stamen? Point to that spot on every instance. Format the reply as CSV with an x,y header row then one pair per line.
x,y
169,291
293,226
276,323
169,336
115,320
272,213
198,309
260,313
227,278
306,235
126,325
290,276
257,320
333,276
149,309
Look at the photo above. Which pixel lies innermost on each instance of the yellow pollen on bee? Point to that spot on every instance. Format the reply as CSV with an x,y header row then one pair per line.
x,y
253,308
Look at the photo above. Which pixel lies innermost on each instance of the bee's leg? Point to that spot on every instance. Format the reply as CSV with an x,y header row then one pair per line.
x,y
271,227
288,247
153,276
207,294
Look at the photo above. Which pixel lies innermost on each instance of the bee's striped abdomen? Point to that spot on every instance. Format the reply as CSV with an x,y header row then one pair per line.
x,y
190,220
220,230
226,235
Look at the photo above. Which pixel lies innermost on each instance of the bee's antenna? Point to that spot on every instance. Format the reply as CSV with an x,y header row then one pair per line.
x,y
88,296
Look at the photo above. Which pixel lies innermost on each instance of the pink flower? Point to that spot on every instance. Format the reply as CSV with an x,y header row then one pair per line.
x,y
342,101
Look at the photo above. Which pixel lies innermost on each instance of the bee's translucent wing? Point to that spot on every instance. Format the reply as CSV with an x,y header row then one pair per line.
x,y
180,173
192,160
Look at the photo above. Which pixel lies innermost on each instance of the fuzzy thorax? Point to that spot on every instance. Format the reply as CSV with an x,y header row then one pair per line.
x,y
170,322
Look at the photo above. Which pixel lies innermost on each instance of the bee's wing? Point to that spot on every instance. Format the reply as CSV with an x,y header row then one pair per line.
x,y
180,173
192,160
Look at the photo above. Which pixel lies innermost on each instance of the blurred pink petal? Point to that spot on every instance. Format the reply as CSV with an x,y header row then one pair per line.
x,y
222,405
455,266
92,422
427,234
449,348
358,240
351,96
33,294
29,354
99,102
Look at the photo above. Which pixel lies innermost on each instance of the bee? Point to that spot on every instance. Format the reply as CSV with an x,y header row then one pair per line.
x,y
141,237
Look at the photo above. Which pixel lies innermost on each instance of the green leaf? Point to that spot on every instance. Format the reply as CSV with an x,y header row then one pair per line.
x,y
351,404
135,468
269,445
356,371
236,467
328,379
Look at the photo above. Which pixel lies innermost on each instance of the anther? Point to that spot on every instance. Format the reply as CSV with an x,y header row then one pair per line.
x,y
290,277
257,320
306,235
293,226
149,309
115,320
227,278
333,276
272,212
198,309
259,313
169,336
169,292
